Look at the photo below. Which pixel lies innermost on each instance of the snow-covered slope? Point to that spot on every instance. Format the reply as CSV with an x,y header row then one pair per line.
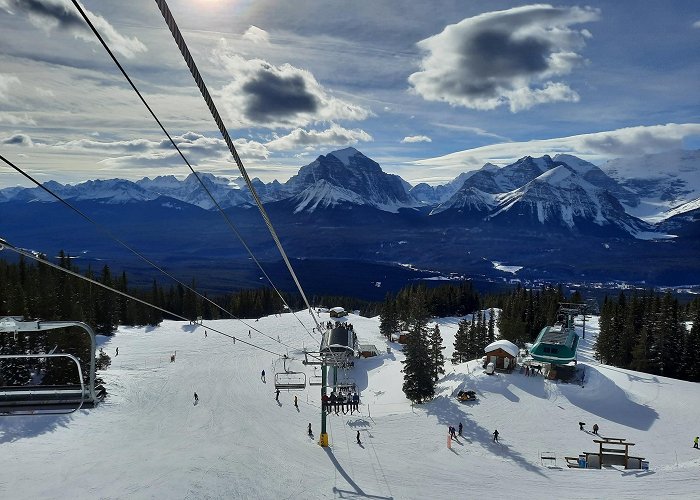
x,y
148,440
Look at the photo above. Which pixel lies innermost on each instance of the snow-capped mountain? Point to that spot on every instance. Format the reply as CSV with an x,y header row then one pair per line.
x,y
435,195
355,179
663,180
560,197
468,201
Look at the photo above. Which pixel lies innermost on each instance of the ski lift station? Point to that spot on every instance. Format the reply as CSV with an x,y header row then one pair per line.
x,y
557,344
340,341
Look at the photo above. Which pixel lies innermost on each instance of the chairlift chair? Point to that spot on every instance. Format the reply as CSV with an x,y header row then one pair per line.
x,y
38,400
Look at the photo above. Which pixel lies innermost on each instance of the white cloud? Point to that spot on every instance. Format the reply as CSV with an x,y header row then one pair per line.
x,y
501,57
262,94
333,136
257,35
596,147
416,138
16,119
62,15
696,24
6,83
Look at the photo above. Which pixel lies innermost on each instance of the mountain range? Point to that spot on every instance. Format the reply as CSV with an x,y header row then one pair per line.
x,y
517,214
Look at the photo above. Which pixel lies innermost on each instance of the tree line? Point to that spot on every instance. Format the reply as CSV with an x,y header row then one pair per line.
x,y
648,332
33,291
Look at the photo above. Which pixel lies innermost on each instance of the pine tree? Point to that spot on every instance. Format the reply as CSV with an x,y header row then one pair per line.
x,y
691,367
461,345
388,319
491,334
418,369
436,348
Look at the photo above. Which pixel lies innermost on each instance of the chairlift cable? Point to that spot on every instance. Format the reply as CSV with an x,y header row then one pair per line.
x,y
182,45
5,244
132,250
216,204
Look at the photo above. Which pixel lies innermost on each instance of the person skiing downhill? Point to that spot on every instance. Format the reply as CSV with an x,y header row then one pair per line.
x,y
595,429
196,398
460,428
695,442
295,403
262,376
358,438
495,436
277,395
310,431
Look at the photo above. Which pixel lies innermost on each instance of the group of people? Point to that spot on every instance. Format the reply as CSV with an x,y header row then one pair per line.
x,y
530,370
453,432
595,427
348,326
341,402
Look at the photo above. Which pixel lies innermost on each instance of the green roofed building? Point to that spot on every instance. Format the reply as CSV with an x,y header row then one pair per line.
x,y
557,344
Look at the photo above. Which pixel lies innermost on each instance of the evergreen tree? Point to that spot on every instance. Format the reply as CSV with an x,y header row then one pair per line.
x,y
691,366
388,319
436,348
461,345
418,368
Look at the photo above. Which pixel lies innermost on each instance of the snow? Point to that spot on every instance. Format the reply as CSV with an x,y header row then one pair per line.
x,y
506,269
506,345
344,155
148,440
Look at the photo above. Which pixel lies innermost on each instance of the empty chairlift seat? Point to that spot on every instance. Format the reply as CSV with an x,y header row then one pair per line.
x,y
290,380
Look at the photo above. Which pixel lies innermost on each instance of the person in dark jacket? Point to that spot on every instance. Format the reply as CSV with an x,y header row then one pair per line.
x,y
310,431
495,436
358,438
595,429
460,428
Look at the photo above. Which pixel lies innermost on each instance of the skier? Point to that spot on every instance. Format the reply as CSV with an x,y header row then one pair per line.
x,y
580,425
262,376
358,438
495,436
249,334
695,442
460,428
356,401
595,429
311,434
295,403
205,334
117,353
196,398
277,395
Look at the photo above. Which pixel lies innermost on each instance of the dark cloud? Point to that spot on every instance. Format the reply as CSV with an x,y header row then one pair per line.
x,y
17,140
499,57
65,17
271,97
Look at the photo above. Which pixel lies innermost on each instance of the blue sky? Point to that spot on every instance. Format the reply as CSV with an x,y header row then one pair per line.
x,y
407,83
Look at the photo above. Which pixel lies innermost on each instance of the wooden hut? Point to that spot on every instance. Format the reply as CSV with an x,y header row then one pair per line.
x,y
502,354
338,312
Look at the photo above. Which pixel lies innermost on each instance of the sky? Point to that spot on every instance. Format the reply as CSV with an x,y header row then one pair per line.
x,y
426,89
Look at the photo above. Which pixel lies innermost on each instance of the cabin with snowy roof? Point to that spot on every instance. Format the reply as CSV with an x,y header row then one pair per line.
x,y
503,354
338,312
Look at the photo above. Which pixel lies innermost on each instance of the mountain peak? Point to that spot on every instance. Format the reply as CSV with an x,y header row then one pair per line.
x,y
344,155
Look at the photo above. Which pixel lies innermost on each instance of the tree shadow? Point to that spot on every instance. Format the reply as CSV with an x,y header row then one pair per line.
x,y
448,413
15,428
599,392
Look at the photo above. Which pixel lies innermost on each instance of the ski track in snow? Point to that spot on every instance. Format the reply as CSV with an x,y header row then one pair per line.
x,y
148,440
